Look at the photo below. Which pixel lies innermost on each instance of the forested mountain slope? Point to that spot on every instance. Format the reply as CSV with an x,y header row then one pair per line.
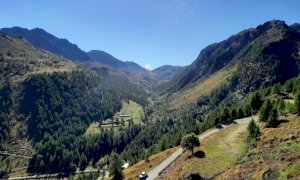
x,y
252,59
265,55
44,40
50,101
224,75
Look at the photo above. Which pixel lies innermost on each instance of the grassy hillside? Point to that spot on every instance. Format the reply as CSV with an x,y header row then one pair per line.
x,y
216,154
19,59
275,157
225,155
189,96
134,110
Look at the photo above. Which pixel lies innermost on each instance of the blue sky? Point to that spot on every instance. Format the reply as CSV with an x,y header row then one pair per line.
x,y
154,32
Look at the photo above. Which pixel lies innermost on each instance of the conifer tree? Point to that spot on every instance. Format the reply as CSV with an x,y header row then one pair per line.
x,y
253,130
115,166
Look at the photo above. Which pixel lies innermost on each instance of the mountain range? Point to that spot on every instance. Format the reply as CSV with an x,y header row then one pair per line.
x,y
52,93
44,40
107,59
262,56
92,59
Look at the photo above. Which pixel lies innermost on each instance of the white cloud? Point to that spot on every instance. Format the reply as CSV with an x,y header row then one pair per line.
x,y
148,67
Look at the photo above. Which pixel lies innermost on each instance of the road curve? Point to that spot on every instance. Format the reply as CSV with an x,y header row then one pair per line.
x,y
155,172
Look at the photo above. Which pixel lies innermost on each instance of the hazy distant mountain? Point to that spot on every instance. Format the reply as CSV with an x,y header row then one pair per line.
x,y
162,73
107,59
167,72
100,61
44,40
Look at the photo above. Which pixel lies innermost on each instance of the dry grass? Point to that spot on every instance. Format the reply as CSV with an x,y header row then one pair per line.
x,y
272,137
222,150
292,171
190,95
250,170
93,129
19,144
24,59
19,164
277,156
134,171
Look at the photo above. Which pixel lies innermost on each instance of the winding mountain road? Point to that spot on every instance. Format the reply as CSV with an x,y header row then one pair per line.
x,y
158,169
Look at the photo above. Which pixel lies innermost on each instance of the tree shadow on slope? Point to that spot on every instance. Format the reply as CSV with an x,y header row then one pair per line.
x,y
192,176
29,110
282,121
198,154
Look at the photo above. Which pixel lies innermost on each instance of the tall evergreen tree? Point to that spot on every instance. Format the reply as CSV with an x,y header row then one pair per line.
x,y
115,166
253,130
281,106
272,119
256,101
265,110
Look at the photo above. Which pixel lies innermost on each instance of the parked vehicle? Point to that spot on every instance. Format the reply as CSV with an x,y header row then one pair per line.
x,y
143,176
